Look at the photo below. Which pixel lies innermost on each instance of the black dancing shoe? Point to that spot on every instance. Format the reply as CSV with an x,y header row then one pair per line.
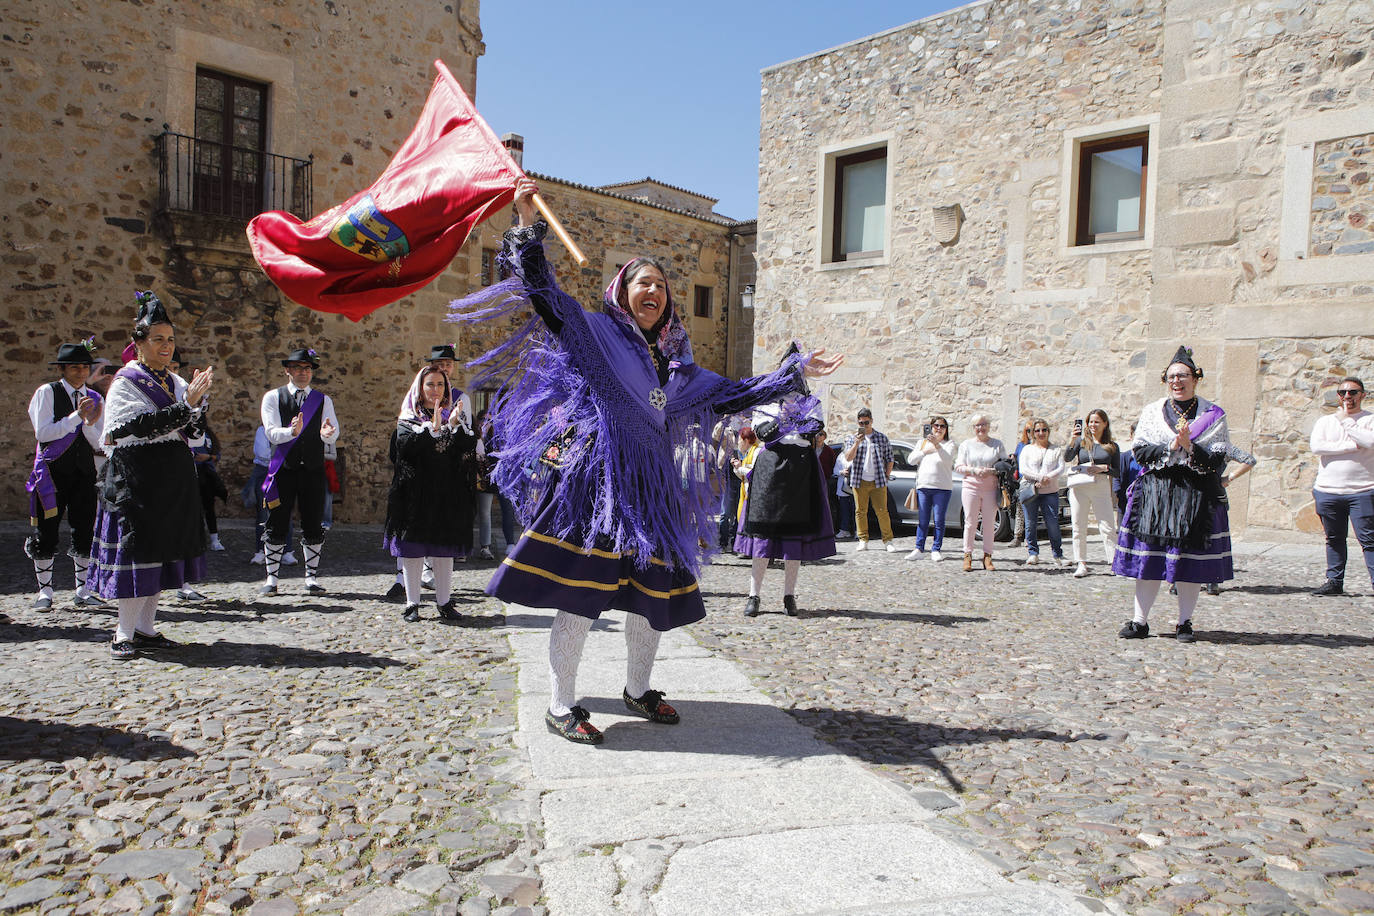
x,y
1329,588
1213,588
751,606
189,594
448,612
122,650
411,614
314,588
396,592
574,726
789,605
1134,630
267,590
155,641
42,603
1184,632
94,602
651,707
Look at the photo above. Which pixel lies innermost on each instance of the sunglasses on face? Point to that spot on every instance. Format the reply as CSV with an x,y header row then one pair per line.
x,y
865,422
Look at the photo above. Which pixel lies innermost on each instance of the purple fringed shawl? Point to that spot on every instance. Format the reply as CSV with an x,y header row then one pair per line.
x,y
583,403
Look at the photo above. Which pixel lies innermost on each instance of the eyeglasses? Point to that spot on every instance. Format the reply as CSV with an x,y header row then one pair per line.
x,y
1349,393
1177,377
865,422
1042,429
940,425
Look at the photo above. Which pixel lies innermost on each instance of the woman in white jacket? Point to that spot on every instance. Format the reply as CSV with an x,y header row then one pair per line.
x,y
934,484
1042,465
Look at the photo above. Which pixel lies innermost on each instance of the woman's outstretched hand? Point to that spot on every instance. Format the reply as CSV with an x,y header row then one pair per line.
x,y
819,366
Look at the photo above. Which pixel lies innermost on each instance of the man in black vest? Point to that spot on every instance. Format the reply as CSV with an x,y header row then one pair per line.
x,y
68,422
298,421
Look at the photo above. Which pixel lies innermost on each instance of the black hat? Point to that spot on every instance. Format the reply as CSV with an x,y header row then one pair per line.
x,y
302,355
1184,356
77,354
441,351
151,311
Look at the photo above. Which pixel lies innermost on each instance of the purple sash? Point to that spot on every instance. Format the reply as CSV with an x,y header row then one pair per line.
x,y
1205,421
42,491
313,402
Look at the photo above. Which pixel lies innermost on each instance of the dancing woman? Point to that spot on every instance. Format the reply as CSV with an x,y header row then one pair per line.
x,y
150,528
429,507
598,408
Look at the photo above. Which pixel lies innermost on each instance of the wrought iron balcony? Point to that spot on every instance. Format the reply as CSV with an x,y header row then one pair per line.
x,y
216,179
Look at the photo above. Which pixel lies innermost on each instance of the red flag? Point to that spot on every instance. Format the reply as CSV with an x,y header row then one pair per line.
x,y
393,238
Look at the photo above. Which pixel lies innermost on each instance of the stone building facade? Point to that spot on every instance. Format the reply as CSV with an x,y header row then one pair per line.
x,y
993,126
112,186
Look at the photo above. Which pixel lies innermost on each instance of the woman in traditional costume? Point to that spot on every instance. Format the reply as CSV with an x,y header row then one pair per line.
x,y
598,409
429,507
150,530
1175,527
785,510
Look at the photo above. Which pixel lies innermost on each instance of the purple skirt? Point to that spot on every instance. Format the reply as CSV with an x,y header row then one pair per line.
x,y
114,573
542,570
1141,558
412,550
814,544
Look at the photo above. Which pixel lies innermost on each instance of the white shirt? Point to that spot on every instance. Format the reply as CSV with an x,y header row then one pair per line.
x,y
936,470
271,417
46,430
1345,447
1042,465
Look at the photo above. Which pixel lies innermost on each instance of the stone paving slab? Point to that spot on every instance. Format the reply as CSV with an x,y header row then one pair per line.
x,y
737,809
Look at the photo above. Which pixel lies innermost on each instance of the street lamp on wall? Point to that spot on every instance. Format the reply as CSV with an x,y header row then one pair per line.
x,y
746,297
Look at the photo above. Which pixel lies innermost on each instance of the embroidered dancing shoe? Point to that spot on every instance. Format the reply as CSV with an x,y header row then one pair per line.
x,y
574,726
651,707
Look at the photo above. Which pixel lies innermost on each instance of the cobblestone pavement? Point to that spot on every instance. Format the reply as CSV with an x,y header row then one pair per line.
x,y
298,754
1232,775
316,755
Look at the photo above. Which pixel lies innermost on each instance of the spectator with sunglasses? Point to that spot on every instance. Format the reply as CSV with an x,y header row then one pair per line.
x,y
1344,489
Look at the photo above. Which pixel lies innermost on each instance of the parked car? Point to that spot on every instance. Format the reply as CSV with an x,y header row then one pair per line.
x,y
905,458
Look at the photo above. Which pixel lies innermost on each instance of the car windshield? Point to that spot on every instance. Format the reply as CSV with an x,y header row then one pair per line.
x,y
902,457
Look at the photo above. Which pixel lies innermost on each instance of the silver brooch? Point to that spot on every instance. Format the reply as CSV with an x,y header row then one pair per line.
x,y
657,399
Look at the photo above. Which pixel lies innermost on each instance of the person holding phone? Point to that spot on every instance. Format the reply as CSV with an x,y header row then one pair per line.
x,y
1093,461
870,456
1041,465
934,484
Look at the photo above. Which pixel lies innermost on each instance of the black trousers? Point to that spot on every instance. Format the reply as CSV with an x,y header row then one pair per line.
x,y
303,487
76,501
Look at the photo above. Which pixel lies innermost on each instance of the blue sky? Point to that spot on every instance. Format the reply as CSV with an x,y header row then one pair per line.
x,y
614,90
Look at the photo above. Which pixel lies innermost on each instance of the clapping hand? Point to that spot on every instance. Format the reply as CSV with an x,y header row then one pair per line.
x,y
200,385
327,428
88,410
297,424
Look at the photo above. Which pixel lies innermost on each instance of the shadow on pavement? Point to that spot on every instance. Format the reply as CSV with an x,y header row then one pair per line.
x,y
1268,589
1320,640
25,632
892,740
26,739
222,654
939,620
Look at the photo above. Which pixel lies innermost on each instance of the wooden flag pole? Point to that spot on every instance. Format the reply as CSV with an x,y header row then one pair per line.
x,y
562,233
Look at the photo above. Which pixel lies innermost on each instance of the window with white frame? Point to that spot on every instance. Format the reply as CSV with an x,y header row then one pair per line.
x,y
854,222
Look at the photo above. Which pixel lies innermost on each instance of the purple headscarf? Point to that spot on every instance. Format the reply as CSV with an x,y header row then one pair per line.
x,y
673,341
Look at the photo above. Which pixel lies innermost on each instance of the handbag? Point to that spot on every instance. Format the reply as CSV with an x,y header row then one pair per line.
x,y
1078,478
1026,492
911,501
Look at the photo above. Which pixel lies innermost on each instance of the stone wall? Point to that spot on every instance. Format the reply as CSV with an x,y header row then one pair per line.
x,y
1343,197
79,158
981,107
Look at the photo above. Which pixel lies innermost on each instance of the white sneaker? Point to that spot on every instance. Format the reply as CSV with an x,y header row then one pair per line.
x,y
1081,571
889,547
842,535
935,556
1033,560
258,559
915,554
214,542
862,545
289,559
